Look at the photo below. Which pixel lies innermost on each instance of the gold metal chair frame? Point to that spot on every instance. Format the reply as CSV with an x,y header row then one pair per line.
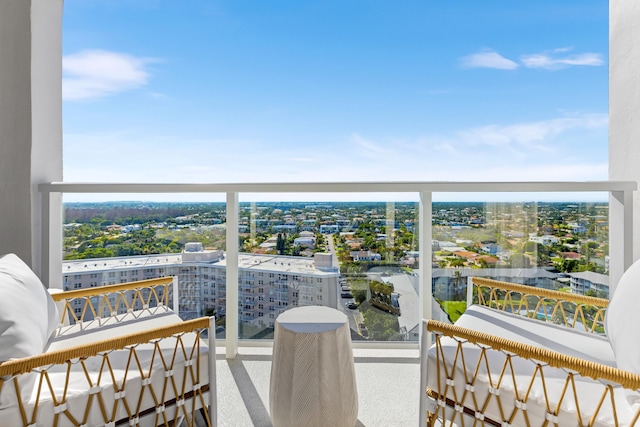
x,y
451,404
185,396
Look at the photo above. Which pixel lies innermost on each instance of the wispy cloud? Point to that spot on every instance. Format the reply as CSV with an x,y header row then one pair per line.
x,y
552,61
367,145
488,59
571,146
537,135
301,159
91,74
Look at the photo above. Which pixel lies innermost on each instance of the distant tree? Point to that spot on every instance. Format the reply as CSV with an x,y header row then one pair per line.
x,y
596,293
568,265
456,262
280,244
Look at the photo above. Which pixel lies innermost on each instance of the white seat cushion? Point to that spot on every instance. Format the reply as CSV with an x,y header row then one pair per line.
x,y
622,320
533,332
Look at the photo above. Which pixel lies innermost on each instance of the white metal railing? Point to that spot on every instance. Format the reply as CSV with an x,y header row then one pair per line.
x,y
620,219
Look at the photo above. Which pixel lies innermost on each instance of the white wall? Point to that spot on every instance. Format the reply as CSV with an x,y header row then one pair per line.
x,y
15,128
624,103
30,120
46,132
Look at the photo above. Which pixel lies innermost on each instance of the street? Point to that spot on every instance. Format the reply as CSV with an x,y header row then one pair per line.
x,y
354,316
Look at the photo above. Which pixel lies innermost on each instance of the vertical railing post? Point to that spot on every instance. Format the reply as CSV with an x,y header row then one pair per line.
x,y
469,291
213,390
426,291
45,235
232,275
51,238
425,255
620,235
176,297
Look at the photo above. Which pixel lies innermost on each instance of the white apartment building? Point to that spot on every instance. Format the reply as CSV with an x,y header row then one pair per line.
x,y
268,284
589,281
543,240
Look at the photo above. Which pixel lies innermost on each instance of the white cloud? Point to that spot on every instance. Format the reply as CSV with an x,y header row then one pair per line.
x,y
571,147
552,61
301,159
563,49
534,134
91,74
367,145
488,59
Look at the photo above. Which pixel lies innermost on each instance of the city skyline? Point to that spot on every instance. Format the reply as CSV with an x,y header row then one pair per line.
x,y
156,91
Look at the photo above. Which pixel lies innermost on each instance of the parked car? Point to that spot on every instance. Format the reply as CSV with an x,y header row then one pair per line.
x,y
346,288
351,305
346,295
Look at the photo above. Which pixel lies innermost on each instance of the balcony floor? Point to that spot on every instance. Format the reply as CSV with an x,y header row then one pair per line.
x,y
388,387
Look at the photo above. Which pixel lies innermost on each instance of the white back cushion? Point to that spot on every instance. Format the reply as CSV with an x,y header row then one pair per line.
x,y
622,321
28,318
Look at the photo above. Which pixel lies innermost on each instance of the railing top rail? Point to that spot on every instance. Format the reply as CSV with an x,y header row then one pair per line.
x,y
341,187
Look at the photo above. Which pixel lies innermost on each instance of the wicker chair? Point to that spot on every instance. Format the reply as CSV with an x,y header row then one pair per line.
x,y
524,356
119,356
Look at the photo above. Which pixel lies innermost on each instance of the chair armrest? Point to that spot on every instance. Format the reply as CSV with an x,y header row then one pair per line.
x,y
107,301
57,357
544,304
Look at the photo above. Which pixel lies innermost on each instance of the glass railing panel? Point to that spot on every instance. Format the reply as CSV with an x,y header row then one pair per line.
x,y
356,253
557,241
112,238
342,251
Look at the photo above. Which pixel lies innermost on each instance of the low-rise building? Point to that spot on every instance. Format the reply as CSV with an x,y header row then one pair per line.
x,y
585,281
268,284
547,239
365,256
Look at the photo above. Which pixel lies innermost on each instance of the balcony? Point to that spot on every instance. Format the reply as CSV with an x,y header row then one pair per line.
x,y
244,365
35,148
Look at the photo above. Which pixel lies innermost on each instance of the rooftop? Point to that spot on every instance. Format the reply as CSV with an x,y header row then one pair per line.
x,y
275,263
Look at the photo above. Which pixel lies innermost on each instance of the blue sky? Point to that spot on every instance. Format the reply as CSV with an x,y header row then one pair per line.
x,y
344,90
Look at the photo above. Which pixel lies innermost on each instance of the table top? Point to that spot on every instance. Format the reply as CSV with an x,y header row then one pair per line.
x,y
311,319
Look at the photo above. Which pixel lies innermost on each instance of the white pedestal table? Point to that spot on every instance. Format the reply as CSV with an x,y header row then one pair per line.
x,y
312,374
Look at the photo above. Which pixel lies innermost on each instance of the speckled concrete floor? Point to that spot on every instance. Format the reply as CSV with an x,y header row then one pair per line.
x,y
388,387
